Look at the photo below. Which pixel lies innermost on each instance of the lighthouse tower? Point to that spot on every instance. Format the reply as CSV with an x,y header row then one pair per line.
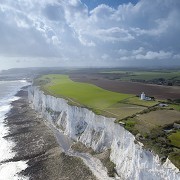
x,y
143,96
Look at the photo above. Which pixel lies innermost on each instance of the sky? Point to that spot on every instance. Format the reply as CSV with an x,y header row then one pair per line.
x,y
89,33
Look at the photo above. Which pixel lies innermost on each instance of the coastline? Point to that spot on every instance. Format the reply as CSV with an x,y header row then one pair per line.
x,y
98,132
36,144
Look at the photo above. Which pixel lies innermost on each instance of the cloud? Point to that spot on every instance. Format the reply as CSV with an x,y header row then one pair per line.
x,y
154,55
68,31
113,34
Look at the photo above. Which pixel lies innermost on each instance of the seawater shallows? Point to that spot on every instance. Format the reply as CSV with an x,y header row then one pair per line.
x,y
10,170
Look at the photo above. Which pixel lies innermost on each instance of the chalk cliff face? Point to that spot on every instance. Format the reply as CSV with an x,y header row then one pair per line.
x,y
100,133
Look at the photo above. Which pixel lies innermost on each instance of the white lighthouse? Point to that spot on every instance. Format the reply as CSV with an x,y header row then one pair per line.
x,y
143,96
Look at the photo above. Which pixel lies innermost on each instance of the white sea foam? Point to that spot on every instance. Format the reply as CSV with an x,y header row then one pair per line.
x,y
4,108
6,146
10,170
23,81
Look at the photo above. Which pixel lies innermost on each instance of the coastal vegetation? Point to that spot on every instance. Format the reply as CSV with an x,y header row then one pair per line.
x,y
83,93
137,101
175,139
163,77
145,119
101,101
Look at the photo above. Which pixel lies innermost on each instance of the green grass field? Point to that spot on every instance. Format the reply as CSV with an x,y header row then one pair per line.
x,y
123,110
137,101
126,108
83,93
175,139
154,119
174,106
101,101
153,75
175,158
146,75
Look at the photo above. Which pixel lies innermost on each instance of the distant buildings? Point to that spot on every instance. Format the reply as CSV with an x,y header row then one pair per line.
x,y
163,105
144,97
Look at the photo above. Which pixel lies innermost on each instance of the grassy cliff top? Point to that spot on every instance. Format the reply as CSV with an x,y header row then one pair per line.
x,y
81,93
139,117
101,101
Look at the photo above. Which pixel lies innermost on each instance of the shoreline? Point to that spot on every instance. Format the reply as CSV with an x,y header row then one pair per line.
x,y
98,132
36,144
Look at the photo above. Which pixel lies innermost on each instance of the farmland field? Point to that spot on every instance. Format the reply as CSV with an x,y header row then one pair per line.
x,y
101,101
119,100
83,93
137,101
174,106
158,91
175,139
146,122
123,110
146,75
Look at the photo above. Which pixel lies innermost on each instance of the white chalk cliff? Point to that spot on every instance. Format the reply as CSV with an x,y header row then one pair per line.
x,y
100,133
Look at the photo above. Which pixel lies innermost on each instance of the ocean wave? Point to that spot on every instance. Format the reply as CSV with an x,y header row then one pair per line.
x,y
10,170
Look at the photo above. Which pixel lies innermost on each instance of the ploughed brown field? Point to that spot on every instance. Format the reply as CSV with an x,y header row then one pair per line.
x,y
157,91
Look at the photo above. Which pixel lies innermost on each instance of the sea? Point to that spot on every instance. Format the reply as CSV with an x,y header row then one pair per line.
x,y
9,170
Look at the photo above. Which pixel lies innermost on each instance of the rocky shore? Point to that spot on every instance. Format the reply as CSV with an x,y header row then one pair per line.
x,y
36,144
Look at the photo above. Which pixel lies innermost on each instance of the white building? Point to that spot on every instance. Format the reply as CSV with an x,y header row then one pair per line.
x,y
143,96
